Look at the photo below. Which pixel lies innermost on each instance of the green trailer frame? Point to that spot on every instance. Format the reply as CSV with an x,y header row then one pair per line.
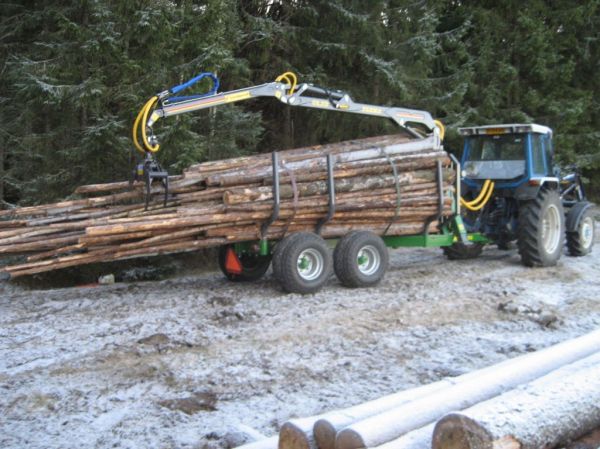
x,y
450,233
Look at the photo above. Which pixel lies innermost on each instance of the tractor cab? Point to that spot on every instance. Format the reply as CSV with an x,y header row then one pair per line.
x,y
510,155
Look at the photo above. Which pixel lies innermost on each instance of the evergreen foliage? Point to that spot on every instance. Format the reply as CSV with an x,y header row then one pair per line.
x,y
74,74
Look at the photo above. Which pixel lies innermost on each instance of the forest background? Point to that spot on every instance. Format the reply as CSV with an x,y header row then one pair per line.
x,y
74,74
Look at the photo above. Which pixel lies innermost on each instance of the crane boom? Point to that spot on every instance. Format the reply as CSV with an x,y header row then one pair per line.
x,y
306,95
286,90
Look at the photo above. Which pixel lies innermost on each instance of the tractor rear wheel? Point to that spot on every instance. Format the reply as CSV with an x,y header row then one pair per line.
x,y
460,251
254,266
540,235
360,259
581,239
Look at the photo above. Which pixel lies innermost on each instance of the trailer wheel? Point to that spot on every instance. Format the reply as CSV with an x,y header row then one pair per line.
x,y
581,239
280,249
460,251
254,266
304,263
540,234
360,259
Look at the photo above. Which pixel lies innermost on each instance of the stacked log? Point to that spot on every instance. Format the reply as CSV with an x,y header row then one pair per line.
x,y
385,184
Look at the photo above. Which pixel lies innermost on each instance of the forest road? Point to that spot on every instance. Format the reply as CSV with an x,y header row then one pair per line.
x,y
190,362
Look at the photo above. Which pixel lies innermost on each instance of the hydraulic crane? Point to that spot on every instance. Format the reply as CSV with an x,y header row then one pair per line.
x,y
285,88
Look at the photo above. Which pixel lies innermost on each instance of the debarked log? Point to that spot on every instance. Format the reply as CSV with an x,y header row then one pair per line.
x,y
546,413
394,423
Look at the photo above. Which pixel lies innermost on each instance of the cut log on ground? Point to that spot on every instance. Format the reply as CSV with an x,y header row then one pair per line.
x,y
422,438
267,443
546,413
394,423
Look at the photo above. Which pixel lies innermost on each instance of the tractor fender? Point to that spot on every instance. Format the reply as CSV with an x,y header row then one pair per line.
x,y
528,191
574,215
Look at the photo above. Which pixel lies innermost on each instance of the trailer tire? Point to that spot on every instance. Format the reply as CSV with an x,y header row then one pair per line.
x,y
360,259
540,234
279,250
254,266
460,251
304,264
581,239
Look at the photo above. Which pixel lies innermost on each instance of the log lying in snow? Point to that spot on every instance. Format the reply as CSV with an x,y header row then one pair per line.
x,y
394,423
228,201
546,413
422,438
296,433
267,443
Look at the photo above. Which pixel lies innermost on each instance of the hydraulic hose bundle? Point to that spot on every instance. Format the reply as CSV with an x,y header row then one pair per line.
x,y
141,122
484,196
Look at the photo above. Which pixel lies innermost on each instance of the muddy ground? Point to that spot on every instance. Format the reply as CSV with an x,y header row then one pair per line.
x,y
197,362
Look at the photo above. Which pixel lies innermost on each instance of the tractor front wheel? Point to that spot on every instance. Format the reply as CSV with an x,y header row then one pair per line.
x,y
540,235
581,239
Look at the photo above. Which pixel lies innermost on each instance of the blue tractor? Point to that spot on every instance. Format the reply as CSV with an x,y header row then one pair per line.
x,y
512,191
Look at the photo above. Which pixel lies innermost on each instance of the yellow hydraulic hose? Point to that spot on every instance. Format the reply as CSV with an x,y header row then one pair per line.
x,y
290,78
481,195
134,130
149,147
141,121
482,199
441,127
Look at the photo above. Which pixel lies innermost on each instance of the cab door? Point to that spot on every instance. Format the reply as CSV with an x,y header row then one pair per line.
x,y
541,155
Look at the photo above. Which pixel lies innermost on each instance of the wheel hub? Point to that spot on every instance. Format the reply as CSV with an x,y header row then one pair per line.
x,y
368,260
551,229
587,232
310,264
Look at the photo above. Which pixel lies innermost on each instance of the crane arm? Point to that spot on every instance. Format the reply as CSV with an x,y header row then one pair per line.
x,y
285,89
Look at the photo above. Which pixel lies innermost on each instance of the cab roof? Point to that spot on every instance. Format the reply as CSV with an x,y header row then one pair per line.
x,y
505,129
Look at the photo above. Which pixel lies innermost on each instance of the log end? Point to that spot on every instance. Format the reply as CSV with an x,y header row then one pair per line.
x,y
458,431
325,434
349,439
293,437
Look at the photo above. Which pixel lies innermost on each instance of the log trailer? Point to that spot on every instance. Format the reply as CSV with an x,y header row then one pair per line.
x,y
507,189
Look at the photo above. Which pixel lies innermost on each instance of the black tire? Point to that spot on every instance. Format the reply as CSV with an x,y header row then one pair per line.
x,y
347,264
460,251
254,266
581,240
308,248
280,249
540,244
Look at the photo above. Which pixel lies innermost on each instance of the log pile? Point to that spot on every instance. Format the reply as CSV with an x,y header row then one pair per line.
x,y
384,184
541,399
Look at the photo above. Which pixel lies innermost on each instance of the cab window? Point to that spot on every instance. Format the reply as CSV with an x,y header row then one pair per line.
x,y
537,158
504,147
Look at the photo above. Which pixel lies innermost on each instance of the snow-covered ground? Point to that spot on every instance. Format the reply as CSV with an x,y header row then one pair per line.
x,y
189,362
